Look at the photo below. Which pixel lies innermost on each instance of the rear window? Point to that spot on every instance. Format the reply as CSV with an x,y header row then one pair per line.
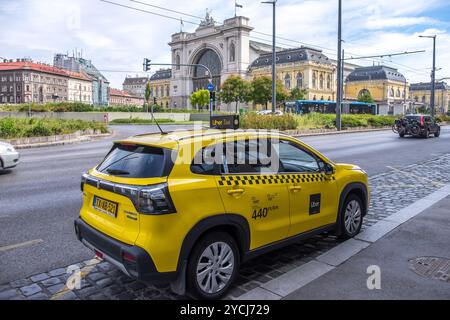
x,y
137,161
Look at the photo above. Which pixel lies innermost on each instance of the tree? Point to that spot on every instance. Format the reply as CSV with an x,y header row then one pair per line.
x,y
200,98
148,93
298,94
282,93
261,90
235,89
366,97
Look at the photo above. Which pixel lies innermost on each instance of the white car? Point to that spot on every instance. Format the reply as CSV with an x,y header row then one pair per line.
x,y
269,112
9,157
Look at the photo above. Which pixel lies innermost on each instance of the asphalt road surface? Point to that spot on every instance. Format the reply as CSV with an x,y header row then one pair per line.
x,y
41,197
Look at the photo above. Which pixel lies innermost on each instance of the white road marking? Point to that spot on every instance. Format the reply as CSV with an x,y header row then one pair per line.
x,y
21,245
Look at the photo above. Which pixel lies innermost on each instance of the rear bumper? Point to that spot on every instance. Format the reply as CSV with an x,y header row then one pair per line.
x,y
112,251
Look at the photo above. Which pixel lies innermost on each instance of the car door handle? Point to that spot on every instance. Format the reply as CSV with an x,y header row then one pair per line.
x,y
235,191
295,188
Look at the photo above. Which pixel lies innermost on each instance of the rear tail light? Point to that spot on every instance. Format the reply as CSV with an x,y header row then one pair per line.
x,y
422,121
153,199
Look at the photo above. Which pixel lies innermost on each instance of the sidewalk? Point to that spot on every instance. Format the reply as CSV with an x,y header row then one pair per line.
x,y
426,235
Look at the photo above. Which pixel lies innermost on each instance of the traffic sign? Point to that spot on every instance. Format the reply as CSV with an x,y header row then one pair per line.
x,y
210,87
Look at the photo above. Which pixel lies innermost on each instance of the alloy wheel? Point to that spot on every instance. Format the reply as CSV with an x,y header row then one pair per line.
x,y
352,217
215,267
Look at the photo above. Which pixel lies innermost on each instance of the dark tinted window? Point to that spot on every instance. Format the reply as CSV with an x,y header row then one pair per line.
x,y
134,161
294,159
205,161
249,156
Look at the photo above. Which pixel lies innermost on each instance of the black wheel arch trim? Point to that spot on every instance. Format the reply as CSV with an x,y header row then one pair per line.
x,y
235,221
352,187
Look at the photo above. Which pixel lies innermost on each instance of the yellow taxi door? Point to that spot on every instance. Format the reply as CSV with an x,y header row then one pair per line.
x,y
249,187
312,194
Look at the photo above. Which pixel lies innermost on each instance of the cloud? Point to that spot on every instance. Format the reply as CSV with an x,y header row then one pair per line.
x,y
118,38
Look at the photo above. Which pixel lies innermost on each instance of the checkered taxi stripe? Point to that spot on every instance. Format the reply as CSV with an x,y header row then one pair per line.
x,y
231,180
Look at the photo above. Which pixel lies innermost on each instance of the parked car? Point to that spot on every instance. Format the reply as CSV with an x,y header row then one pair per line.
x,y
269,112
417,125
185,208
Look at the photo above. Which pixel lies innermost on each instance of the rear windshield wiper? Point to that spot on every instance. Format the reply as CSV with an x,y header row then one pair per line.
x,y
117,172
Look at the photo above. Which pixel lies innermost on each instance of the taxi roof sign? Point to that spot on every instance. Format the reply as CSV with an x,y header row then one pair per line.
x,y
224,122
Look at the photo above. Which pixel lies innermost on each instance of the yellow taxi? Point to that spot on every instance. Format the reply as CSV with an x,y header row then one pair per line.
x,y
187,208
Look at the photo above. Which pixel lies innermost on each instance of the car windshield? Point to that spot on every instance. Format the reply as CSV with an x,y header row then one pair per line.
x,y
134,161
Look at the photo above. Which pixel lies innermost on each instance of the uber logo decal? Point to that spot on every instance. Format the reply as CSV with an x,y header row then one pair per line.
x,y
314,204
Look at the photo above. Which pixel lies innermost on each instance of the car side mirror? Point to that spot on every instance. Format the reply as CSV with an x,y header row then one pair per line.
x,y
329,169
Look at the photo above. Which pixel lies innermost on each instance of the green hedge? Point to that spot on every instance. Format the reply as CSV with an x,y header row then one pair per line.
x,y
313,121
140,121
13,128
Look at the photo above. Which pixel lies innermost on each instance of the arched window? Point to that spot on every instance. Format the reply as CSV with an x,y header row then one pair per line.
x,y
210,59
423,99
364,92
329,98
299,80
314,80
167,91
391,92
321,81
321,98
287,81
177,61
314,98
232,52
398,93
328,82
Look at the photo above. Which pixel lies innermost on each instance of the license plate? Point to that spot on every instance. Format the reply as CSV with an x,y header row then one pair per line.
x,y
105,206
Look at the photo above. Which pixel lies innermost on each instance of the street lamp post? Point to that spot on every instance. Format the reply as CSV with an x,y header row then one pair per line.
x,y
274,57
339,67
433,74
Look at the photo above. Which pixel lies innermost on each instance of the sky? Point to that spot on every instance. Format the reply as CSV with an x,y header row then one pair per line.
x,y
117,39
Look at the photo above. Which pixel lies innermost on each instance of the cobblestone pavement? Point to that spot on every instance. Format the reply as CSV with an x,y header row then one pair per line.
x,y
391,191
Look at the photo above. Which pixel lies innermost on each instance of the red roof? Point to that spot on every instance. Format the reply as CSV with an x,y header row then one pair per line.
x,y
77,75
117,92
27,65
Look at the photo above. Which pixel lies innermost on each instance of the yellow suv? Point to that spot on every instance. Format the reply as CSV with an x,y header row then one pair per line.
x,y
188,207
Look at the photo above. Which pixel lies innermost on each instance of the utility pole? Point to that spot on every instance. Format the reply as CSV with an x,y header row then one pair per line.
x,y
433,74
339,67
274,57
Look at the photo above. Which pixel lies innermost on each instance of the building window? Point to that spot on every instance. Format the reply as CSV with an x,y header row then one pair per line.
x,y
423,99
398,93
391,92
232,52
167,91
328,82
314,80
177,61
416,99
314,98
321,81
299,80
287,81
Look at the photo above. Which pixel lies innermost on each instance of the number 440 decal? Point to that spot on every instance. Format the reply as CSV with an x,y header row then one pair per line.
x,y
262,213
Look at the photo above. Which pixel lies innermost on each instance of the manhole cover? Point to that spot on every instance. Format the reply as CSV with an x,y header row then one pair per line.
x,y
431,267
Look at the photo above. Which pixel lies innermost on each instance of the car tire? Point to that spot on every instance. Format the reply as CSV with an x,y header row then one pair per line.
x,y
402,135
206,263
437,133
351,217
426,134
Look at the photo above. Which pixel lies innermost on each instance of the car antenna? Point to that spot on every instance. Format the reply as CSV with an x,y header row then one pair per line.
x,y
157,124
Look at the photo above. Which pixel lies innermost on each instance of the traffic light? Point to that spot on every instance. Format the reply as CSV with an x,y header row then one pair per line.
x,y
147,64
154,101
212,95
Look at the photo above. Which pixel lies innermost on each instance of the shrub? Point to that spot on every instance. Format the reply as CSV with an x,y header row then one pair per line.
x,y
268,122
11,128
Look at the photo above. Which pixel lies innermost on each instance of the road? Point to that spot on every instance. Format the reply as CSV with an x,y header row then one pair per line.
x,y
41,198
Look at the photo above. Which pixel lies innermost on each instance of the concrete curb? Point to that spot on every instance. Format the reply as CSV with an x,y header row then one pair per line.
x,y
299,277
86,138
